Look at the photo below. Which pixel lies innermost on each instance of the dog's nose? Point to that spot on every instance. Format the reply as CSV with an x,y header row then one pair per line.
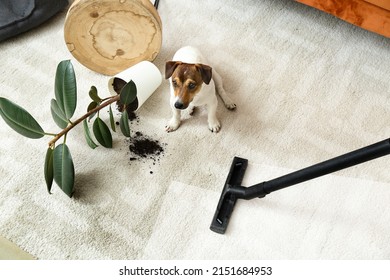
x,y
179,105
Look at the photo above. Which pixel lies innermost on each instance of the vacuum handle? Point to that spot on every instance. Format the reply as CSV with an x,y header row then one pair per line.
x,y
335,164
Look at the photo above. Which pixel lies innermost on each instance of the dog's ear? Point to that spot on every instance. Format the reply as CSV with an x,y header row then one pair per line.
x,y
170,67
206,72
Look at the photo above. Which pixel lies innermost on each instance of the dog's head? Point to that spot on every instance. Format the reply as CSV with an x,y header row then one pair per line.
x,y
187,80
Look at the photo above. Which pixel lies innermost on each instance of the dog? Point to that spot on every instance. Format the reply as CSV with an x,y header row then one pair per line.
x,y
194,83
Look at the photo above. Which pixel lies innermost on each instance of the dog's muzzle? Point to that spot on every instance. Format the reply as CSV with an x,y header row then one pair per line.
x,y
179,105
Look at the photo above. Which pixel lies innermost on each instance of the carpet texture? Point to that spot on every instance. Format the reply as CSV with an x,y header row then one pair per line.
x,y
308,87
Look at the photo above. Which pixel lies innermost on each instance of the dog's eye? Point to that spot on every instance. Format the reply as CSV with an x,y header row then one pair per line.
x,y
191,85
174,83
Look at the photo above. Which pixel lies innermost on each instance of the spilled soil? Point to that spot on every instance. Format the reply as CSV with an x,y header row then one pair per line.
x,y
144,148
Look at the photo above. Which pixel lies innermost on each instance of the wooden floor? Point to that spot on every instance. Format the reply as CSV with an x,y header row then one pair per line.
x,y
9,251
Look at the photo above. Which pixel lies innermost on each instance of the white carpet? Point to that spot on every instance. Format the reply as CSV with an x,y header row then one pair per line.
x,y
308,87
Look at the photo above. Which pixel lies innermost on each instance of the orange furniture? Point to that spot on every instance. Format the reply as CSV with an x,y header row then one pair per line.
x,y
373,15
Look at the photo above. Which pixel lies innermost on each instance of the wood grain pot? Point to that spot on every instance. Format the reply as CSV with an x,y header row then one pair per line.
x,y
109,36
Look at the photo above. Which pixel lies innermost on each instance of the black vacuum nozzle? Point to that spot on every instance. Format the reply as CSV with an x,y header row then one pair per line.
x,y
233,190
227,199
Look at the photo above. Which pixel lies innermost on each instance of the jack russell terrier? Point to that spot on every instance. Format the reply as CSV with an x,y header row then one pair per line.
x,y
187,72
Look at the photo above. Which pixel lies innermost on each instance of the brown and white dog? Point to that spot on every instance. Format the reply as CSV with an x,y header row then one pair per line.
x,y
194,83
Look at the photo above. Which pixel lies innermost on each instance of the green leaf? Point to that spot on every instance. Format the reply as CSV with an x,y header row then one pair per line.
x,y
102,133
112,122
94,94
87,135
20,120
124,124
63,169
57,114
65,88
49,169
128,93
92,106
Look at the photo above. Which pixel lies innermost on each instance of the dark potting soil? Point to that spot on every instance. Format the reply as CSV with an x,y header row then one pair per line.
x,y
144,148
117,85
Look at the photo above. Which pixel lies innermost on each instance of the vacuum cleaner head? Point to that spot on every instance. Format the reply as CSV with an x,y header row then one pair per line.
x,y
228,198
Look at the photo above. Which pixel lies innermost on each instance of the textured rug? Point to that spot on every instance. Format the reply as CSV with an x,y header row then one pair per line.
x,y
308,87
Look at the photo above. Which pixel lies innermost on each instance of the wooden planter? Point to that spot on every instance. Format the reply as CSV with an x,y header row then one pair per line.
x,y
109,36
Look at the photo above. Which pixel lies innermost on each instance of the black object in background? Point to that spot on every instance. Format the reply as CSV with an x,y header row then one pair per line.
x,y
19,16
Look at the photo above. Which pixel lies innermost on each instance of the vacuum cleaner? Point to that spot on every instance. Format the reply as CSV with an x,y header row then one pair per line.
x,y
233,190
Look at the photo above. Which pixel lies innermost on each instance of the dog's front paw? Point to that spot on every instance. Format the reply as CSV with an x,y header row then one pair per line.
x,y
214,126
229,104
172,125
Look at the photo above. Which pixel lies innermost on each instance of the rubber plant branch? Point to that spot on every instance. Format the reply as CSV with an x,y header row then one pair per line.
x,y
82,118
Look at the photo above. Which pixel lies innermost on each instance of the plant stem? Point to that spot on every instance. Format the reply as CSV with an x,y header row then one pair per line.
x,y
50,134
76,122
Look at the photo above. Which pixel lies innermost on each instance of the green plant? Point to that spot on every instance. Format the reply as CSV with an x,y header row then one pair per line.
x,y
58,161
